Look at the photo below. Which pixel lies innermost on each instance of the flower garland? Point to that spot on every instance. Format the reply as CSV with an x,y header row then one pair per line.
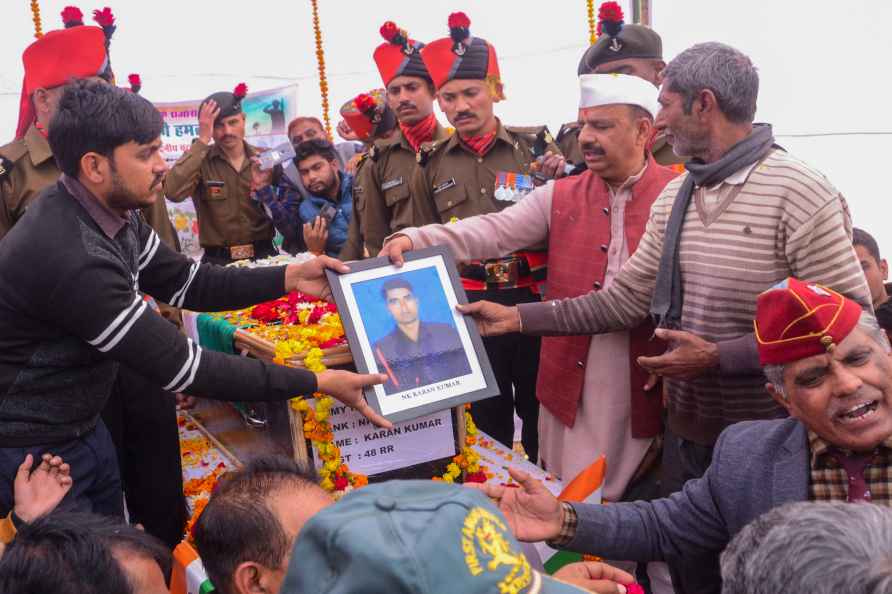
x,y
35,16
301,324
468,461
335,476
592,36
320,59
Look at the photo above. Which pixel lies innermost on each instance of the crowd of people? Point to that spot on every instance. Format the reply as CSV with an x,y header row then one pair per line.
x,y
662,284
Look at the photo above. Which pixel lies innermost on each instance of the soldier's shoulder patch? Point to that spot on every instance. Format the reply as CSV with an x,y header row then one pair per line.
x,y
5,168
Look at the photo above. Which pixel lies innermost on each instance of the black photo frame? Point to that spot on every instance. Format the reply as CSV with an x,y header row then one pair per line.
x,y
354,295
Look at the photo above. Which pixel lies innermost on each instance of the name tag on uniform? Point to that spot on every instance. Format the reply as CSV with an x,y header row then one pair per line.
x,y
215,188
512,187
449,183
392,184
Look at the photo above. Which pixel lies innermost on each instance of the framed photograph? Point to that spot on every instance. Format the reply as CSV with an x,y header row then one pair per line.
x,y
402,322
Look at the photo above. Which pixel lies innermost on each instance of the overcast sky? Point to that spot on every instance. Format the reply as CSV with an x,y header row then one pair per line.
x,y
822,63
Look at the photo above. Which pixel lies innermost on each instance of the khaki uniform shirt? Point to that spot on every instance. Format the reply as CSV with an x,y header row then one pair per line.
x,y
453,181
381,188
158,219
568,141
28,167
227,215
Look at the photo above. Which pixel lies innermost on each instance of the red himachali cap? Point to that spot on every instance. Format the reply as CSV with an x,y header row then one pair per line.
x,y
460,56
368,115
56,57
796,319
399,55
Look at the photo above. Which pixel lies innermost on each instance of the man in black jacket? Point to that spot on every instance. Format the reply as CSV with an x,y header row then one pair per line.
x,y
70,313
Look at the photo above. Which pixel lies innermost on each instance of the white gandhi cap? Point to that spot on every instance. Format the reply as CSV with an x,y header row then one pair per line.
x,y
611,89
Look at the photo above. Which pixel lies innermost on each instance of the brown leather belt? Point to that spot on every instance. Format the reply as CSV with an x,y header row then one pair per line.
x,y
498,271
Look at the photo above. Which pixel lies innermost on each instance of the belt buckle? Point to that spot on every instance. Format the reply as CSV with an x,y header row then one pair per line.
x,y
241,252
501,272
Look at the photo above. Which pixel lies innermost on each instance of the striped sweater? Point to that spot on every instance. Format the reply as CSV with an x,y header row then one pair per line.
x,y
787,220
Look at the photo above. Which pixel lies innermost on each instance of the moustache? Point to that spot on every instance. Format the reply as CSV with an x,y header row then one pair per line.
x,y
588,147
405,105
465,115
156,182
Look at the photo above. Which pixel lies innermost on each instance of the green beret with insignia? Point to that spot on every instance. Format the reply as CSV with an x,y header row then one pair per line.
x,y
618,41
413,536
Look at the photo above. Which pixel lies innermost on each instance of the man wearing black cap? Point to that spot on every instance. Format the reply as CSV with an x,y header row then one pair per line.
x,y
622,49
231,226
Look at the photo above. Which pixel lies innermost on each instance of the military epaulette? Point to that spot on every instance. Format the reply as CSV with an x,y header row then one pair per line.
x,y
568,128
15,150
5,168
426,150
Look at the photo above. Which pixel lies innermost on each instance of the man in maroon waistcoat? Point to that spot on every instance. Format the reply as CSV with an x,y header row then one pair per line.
x,y
591,390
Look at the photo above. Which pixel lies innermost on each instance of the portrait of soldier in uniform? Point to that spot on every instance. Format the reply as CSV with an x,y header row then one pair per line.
x,y
417,352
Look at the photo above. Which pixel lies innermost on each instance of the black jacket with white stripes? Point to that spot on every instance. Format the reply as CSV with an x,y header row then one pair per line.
x,y
70,312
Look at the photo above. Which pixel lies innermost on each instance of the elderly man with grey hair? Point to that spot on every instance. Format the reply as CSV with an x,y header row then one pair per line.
x,y
830,369
745,216
819,548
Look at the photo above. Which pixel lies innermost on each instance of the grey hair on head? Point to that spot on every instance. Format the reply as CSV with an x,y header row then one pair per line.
x,y
727,72
866,323
814,547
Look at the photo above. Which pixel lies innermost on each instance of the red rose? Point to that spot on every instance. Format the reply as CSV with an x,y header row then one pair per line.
x,y
459,20
72,15
610,19
104,17
240,90
610,11
365,103
634,589
389,30
475,477
341,483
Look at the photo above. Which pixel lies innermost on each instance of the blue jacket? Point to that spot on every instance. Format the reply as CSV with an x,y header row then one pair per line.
x,y
311,206
756,466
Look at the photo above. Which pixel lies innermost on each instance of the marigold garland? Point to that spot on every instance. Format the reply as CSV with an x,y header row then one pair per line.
x,y
299,323
592,36
320,59
35,16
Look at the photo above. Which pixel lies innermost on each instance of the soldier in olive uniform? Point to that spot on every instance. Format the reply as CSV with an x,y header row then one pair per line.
x,y
231,225
381,186
26,164
622,49
140,416
485,167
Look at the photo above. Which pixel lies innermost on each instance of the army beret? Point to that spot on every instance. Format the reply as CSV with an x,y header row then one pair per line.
x,y
230,103
633,41
618,41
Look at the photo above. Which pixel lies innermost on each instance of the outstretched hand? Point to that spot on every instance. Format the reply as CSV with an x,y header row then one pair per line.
x,y
38,492
309,277
533,513
394,247
688,357
347,386
595,576
492,319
